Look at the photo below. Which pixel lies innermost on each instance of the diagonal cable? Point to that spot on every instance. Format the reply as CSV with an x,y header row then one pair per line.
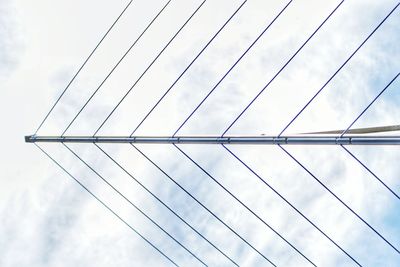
x,y
232,67
133,205
202,205
370,104
244,205
371,172
106,206
164,204
148,67
283,67
352,155
292,206
184,71
338,70
81,67
115,66
340,200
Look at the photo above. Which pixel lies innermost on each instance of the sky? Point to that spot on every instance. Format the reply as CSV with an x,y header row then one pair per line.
x,y
47,219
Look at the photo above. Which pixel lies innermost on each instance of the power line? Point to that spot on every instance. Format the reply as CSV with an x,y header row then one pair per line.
x,y
184,71
107,207
233,66
202,205
154,60
338,70
292,206
245,206
164,204
133,205
283,67
115,66
82,66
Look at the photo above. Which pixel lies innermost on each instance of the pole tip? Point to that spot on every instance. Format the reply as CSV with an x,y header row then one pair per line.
x,y
28,139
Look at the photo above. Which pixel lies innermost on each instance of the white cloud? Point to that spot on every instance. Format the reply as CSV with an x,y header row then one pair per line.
x,y
47,220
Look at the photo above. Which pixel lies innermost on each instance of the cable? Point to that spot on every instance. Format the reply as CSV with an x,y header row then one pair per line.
x,y
233,66
112,70
107,207
284,66
340,200
140,77
337,71
163,203
202,205
348,128
344,132
370,104
244,205
184,71
369,170
82,66
133,205
292,206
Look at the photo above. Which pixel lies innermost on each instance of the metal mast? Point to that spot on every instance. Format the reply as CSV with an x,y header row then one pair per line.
x,y
237,140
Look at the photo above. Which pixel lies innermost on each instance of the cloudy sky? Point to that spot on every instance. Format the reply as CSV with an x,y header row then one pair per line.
x,y
47,219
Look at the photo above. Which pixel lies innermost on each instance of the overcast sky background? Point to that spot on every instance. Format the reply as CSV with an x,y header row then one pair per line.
x,y
46,219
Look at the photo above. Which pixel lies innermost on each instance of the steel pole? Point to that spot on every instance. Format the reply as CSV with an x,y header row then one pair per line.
x,y
239,140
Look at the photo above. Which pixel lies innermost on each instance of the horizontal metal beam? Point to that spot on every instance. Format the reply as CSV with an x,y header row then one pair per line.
x,y
380,129
242,140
